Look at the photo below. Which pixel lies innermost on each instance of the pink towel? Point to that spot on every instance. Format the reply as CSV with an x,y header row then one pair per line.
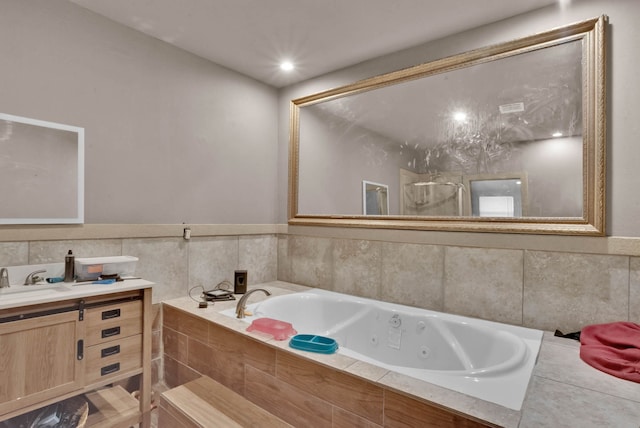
x,y
613,348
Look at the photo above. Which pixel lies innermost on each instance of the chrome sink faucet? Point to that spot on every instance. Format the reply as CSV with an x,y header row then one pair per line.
x,y
4,278
32,278
243,301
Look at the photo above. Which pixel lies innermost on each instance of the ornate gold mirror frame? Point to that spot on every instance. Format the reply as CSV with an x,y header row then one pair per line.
x,y
590,35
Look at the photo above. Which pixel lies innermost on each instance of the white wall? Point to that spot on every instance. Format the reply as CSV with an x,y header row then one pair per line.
x,y
623,199
170,137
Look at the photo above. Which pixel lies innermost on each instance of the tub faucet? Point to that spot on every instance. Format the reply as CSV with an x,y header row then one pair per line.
x,y
4,278
243,300
32,278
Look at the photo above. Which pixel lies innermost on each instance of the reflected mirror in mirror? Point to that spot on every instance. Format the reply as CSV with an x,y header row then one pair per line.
x,y
375,198
529,109
41,172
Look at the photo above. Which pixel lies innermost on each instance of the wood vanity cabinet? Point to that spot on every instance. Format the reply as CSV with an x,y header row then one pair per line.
x,y
54,351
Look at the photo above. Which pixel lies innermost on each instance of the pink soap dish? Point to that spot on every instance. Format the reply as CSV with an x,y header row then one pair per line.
x,y
280,330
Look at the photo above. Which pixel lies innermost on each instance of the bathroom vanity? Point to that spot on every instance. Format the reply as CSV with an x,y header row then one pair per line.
x,y
82,341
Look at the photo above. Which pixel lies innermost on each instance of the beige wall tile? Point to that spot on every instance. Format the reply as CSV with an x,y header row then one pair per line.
x,y
284,263
162,261
484,283
569,291
15,254
357,267
311,261
634,290
212,260
412,274
258,255
54,251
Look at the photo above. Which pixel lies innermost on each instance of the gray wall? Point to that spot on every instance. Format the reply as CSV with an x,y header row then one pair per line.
x,y
170,137
623,199
336,158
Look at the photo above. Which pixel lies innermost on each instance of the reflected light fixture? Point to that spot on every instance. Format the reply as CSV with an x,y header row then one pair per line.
x,y
459,116
286,66
556,134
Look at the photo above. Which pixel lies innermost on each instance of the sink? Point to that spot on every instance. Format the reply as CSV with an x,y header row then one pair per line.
x,y
20,290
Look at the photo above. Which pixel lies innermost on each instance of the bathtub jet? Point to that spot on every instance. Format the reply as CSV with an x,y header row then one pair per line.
x,y
483,359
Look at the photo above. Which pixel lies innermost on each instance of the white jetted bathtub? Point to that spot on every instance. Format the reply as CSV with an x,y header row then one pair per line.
x,y
484,359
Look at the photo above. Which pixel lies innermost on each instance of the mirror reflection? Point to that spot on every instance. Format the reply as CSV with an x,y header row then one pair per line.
x,y
502,136
41,172
375,198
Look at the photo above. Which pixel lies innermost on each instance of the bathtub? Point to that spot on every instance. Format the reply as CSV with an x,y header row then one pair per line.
x,y
483,359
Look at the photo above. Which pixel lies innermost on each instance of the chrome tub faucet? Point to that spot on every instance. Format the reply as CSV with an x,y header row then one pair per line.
x,y
243,301
4,278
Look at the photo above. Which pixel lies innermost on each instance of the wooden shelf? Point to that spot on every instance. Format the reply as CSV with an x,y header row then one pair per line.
x,y
113,407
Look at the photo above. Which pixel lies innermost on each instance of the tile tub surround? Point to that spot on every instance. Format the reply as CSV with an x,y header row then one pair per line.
x,y
540,289
563,390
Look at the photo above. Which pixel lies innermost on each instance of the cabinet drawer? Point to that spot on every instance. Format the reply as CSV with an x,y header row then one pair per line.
x,y
113,322
113,358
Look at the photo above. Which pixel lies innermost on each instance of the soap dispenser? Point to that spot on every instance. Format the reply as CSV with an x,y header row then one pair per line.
x,y
69,267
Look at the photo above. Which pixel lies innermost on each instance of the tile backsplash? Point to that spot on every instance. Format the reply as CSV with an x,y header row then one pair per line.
x,y
540,289
175,265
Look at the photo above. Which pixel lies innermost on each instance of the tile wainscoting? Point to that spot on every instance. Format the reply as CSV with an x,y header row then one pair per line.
x,y
545,282
543,289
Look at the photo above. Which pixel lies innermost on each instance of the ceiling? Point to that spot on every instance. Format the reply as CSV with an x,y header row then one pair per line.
x,y
317,36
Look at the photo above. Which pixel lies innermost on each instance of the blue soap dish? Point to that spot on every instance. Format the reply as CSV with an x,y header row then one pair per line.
x,y
313,343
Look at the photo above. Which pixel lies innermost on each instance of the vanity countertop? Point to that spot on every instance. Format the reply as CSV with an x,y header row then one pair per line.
x,y
563,390
38,294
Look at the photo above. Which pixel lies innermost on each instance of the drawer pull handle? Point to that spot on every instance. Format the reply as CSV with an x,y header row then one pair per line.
x,y
112,350
109,369
113,313
108,332
80,353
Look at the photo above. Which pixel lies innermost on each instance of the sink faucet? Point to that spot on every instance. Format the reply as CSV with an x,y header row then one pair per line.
x,y
243,300
4,278
32,278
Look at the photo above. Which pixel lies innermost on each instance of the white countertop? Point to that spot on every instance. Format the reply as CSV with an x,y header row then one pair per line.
x,y
47,293
563,390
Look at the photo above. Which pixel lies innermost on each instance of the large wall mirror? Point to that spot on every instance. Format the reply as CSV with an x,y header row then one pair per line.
x,y
41,172
507,138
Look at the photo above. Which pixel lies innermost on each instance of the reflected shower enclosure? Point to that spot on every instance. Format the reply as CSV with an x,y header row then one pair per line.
x,y
431,198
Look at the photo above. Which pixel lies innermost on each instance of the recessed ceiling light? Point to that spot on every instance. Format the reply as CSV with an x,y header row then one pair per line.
x,y
286,66
557,134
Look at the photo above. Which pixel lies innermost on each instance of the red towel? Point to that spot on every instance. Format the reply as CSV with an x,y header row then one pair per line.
x,y
613,348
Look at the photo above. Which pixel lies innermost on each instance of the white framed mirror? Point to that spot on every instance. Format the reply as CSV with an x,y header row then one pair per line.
x,y
41,172
534,105
375,198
